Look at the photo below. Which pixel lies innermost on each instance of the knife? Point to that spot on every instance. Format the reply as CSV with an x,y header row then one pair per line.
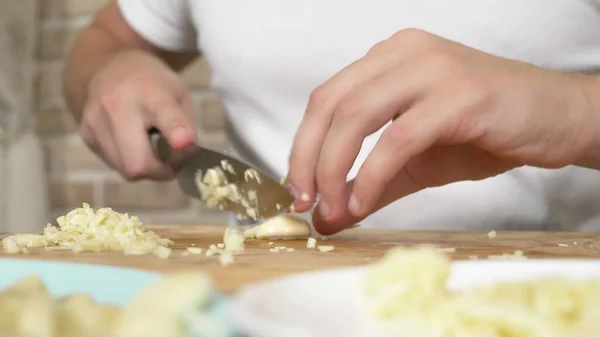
x,y
272,198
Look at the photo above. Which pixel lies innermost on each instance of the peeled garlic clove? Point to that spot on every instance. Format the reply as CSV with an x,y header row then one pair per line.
x,y
285,227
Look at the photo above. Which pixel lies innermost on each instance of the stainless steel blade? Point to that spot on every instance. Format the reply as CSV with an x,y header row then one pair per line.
x,y
273,198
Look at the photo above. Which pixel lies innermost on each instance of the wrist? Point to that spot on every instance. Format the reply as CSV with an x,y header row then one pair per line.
x,y
119,65
125,65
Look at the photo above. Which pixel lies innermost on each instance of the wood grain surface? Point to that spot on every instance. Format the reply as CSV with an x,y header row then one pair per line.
x,y
352,248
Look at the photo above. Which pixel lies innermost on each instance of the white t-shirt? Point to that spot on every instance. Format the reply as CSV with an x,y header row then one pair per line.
x,y
266,56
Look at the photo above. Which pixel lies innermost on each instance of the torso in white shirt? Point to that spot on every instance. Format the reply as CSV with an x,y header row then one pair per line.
x,y
267,56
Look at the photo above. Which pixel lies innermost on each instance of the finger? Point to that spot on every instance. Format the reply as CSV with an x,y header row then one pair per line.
x,y
169,116
317,120
409,135
402,185
128,125
312,132
327,226
360,113
188,112
96,134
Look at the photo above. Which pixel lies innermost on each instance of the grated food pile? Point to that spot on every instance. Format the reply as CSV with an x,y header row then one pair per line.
x,y
86,230
216,190
408,295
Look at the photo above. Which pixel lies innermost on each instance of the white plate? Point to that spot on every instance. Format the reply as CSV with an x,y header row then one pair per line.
x,y
328,303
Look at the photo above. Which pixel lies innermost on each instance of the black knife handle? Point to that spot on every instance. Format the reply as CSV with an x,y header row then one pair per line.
x,y
159,144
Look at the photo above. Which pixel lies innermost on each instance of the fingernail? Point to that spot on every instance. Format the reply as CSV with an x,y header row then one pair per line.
x,y
354,205
181,133
324,210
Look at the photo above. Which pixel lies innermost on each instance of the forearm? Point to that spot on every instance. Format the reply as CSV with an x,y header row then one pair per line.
x,y
591,157
106,38
92,50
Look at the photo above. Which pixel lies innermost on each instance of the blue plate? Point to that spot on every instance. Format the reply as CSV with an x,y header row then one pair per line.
x,y
110,285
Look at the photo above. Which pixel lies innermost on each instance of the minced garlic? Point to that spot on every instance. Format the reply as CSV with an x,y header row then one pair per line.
x,y
233,240
216,190
517,255
408,295
86,230
325,249
212,250
225,259
163,253
194,250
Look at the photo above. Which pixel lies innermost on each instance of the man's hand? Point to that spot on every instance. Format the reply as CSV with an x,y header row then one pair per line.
x,y
130,94
456,114
118,86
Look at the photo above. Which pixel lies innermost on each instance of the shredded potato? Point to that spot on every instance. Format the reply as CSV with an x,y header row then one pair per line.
x,y
407,295
86,230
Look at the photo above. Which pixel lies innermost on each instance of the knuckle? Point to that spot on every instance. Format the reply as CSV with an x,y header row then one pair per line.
x,y
133,172
396,136
411,34
111,102
378,48
319,97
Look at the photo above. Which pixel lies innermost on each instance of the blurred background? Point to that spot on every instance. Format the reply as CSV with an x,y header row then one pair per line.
x,y
46,169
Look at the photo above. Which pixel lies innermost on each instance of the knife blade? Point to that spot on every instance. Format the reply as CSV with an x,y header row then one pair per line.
x,y
271,197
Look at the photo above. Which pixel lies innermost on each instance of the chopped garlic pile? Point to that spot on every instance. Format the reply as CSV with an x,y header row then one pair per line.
x,y
233,239
86,230
407,295
217,191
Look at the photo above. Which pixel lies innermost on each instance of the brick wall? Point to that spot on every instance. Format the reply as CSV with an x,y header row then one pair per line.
x,y
75,174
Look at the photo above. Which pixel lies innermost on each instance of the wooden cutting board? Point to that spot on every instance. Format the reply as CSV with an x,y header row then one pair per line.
x,y
352,248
